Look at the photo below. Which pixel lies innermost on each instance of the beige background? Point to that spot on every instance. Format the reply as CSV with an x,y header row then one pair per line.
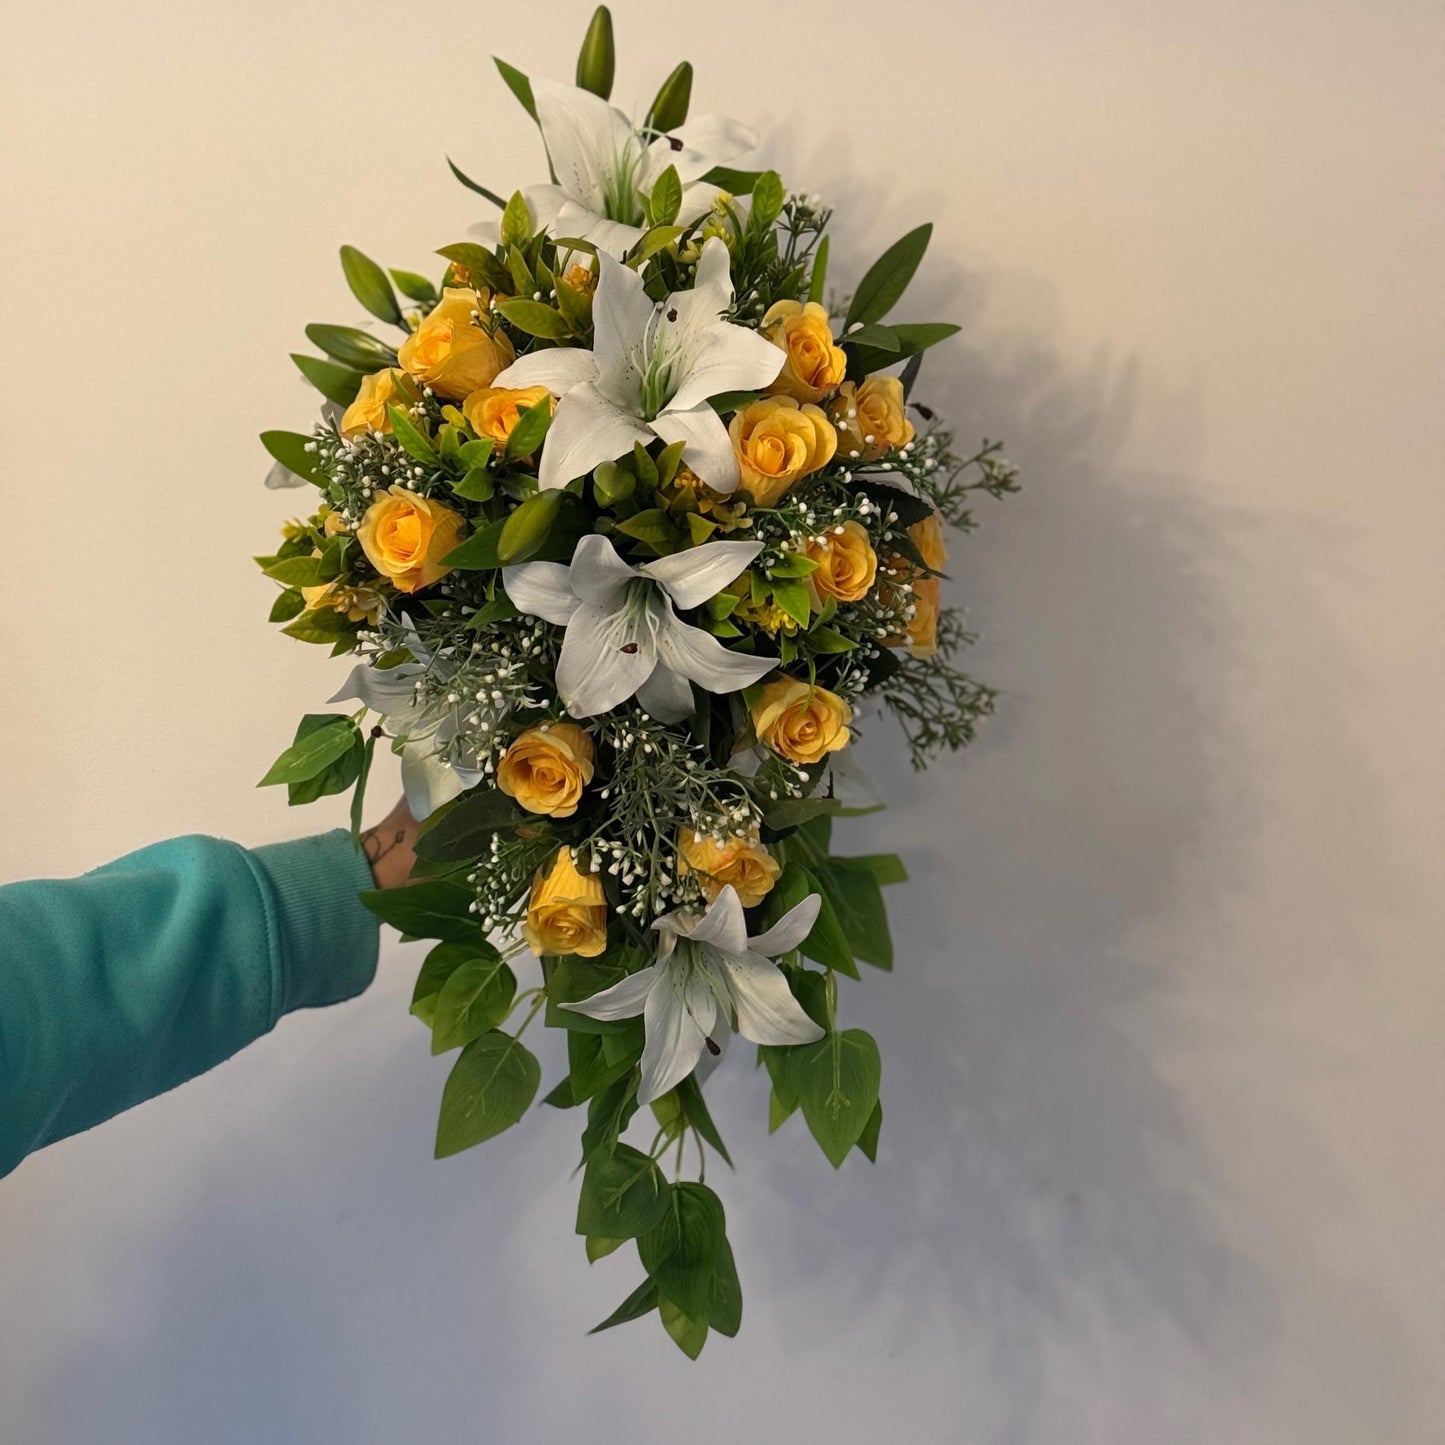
x,y
1163,1156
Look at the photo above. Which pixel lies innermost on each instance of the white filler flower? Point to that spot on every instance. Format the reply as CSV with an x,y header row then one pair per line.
x,y
653,367
623,636
606,167
707,964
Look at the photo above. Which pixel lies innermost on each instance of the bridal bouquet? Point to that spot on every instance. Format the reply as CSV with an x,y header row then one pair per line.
x,y
629,518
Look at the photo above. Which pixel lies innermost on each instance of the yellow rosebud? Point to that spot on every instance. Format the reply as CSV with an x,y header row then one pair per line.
x,y
405,536
368,412
814,366
847,563
333,523
800,722
492,411
450,352
740,861
927,536
567,912
777,442
546,768
870,418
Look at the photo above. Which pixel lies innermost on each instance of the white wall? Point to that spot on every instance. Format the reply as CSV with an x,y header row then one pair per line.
x,y
1163,1052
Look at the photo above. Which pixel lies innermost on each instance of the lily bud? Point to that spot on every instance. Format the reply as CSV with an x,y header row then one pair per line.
x,y
669,110
597,61
612,484
527,528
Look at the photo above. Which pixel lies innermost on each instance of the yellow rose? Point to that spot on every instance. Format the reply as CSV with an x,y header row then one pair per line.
x,y
777,442
567,912
405,537
923,625
847,563
740,861
368,412
870,418
451,353
493,411
814,366
800,722
927,536
546,768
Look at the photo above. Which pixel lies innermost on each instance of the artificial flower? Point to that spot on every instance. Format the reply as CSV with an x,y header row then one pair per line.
x,y
567,912
355,603
927,536
739,862
814,365
847,563
623,635
922,633
405,536
451,351
545,768
708,969
801,721
493,411
606,167
778,441
368,413
653,367
870,418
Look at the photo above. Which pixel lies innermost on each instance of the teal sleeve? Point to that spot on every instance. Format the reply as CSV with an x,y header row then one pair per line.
x,y
123,983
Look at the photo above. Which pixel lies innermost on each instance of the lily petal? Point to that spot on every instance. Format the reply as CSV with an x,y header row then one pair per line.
x,y
598,574
678,1016
727,358
611,238
586,429
767,1011
542,589
280,477
707,449
624,1000
622,311
605,658
723,925
585,139
385,690
426,780
666,695
696,574
701,657
790,930
558,368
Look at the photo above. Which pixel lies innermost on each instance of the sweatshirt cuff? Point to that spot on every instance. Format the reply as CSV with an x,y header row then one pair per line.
x,y
328,941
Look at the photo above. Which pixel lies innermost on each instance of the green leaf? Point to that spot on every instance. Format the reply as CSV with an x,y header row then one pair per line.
x,y
337,776
466,830
789,813
888,277
296,571
600,1248
320,740
535,318
858,901
778,1112
477,261
441,963
413,440
359,350
838,1081
653,241
479,551
573,979
433,909
654,528
516,222
642,1301
887,868
474,999
826,942
369,285
289,448
519,85
358,796
286,606
669,109
597,60
826,640
696,1112
598,1060
490,1087
623,1194
911,340
820,272
680,1252
879,337
768,198
530,431
734,182
688,1334
666,198
792,597
336,383
526,529
325,625
725,1299
471,185
476,486
867,1144
414,287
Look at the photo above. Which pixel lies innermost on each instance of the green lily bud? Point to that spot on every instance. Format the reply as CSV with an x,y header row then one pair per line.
x,y
669,110
597,62
612,484
527,528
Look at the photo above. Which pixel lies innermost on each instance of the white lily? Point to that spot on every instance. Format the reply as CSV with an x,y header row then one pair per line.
x,y
654,366
606,167
623,636
706,965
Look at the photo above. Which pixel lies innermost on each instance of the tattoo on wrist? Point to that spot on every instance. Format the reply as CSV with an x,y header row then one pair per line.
x,y
376,845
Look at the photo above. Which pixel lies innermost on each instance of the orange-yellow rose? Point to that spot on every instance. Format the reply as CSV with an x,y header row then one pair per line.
x,y
847,563
546,768
814,366
777,442
800,722
927,536
493,411
405,536
870,418
923,625
567,912
740,861
368,412
450,352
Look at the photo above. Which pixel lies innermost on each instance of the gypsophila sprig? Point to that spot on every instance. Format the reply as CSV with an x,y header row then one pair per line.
x,y
623,527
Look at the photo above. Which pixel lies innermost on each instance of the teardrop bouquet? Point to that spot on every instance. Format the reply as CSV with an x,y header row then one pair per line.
x,y
629,517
